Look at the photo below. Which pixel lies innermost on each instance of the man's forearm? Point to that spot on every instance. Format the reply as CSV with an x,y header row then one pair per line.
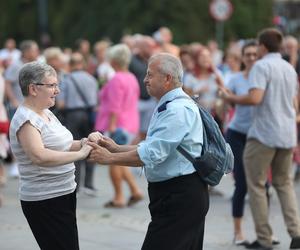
x,y
128,158
125,148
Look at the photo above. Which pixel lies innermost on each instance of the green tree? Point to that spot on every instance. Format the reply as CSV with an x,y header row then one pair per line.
x,y
96,19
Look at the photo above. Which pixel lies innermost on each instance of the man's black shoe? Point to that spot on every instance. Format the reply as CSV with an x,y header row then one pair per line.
x,y
295,243
256,245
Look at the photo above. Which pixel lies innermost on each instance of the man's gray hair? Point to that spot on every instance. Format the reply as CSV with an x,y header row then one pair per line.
x,y
170,65
34,72
120,54
27,45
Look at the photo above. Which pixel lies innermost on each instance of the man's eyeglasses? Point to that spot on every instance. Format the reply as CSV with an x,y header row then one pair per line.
x,y
50,85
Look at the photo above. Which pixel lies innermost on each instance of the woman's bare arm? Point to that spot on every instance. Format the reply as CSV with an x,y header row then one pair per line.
x,y
31,142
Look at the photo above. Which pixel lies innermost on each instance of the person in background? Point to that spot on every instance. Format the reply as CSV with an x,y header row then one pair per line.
x,y
104,71
47,181
233,61
179,199
271,137
205,80
216,53
118,115
3,137
29,53
291,52
55,58
163,36
9,54
204,83
78,100
144,48
82,46
236,136
129,40
187,60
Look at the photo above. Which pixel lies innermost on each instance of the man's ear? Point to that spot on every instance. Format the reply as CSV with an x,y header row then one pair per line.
x,y
169,78
168,82
265,50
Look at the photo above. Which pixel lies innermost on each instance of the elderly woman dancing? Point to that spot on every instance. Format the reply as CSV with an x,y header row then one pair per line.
x,y
45,151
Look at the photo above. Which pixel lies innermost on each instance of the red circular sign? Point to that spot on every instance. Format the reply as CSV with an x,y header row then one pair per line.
x,y
220,10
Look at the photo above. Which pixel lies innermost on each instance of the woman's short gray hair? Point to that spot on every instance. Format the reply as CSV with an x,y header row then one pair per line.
x,y
34,72
171,65
119,54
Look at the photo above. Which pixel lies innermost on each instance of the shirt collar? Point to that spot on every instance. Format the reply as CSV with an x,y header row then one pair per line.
x,y
171,95
272,55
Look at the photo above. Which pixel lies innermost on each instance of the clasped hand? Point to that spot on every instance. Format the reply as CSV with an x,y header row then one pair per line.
x,y
102,148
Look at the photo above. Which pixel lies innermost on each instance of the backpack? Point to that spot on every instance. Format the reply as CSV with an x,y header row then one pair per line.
x,y
216,159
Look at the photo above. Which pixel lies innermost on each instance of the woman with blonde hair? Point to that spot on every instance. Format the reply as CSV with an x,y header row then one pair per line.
x,y
118,117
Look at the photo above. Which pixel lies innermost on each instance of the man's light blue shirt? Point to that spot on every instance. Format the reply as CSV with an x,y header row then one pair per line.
x,y
179,123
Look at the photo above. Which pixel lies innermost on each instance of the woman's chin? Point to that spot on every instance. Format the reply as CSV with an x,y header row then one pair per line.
x,y
51,104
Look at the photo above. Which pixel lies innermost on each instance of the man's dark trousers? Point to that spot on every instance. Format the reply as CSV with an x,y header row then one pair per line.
x,y
178,208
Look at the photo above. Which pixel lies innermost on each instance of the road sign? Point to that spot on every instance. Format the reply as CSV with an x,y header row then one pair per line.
x,y
220,10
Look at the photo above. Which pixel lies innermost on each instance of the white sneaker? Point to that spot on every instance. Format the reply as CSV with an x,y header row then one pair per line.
x,y
90,191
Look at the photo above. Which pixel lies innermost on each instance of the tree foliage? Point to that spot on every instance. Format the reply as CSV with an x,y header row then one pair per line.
x,y
95,19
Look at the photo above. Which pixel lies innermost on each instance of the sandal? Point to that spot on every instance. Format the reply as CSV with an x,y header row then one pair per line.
x,y
112,204
240,242
134,199
244,243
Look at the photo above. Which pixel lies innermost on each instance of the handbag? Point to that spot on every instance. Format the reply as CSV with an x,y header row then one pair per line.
x,y
4,127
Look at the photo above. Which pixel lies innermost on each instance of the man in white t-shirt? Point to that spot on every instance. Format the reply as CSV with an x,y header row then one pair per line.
x,y
271,138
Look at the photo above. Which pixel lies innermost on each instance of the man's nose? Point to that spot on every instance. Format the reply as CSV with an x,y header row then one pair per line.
x,y
57,90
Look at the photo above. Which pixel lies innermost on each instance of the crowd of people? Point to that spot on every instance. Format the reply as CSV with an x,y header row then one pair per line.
x,y
251,89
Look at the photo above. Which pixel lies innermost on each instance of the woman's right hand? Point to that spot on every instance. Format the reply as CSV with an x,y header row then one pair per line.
x,y
85,151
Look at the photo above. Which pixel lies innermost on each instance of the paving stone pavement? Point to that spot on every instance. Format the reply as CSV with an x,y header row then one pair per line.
x,y
124,229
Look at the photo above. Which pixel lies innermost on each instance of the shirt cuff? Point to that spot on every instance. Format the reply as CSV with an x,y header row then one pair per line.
x,y
144,155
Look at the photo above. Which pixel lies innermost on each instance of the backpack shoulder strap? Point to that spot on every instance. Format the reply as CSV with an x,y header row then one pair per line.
x,y
179,147
185,153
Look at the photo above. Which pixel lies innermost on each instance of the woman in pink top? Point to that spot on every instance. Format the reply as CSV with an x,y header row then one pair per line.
x,y
119,112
